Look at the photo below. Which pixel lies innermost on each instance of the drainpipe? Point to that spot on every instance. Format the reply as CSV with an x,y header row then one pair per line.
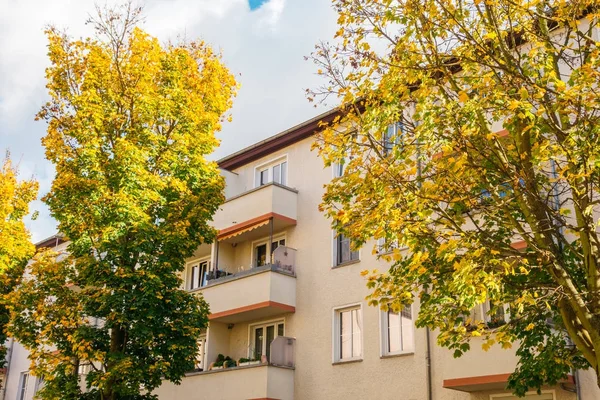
x,y
270,240
428,361
216,267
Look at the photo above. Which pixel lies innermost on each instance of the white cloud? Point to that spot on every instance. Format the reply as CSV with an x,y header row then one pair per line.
x,y
264,48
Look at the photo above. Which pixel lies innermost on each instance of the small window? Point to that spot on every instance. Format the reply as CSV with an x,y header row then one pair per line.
x,y
198,274
262,253
343,253
398,331
275,172
23,382
262,336
348,334
338,169
391,137
201,353
384,246
494,316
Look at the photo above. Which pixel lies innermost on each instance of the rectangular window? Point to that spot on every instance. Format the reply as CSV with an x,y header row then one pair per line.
x,y
384,246
275,172
198,274
201,352
338,169
348,334
391,137
23,382
494,316
264,177
343,253
398,331
262,253
263,336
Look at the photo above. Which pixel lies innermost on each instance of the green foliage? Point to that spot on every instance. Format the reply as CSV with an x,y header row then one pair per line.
x,y
15,245
490,188
130,123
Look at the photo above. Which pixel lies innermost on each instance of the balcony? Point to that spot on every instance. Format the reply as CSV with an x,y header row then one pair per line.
x,y
253,209
478,370
261,381
253,293
265,380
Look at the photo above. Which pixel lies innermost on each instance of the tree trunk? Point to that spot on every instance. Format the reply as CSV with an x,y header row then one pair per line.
x,y
117,345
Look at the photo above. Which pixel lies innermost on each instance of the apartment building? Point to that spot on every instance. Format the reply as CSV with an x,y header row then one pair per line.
x,y
288,304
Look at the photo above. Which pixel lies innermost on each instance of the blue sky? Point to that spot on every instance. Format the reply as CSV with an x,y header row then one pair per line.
x,y
254,4
263,46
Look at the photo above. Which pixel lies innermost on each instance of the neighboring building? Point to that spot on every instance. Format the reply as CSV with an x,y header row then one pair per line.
x,y
278,274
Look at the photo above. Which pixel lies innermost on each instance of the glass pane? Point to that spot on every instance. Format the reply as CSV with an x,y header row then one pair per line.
x,y
280,330
270,337
277,173
203,273
258,341
356,334
261,255
264,177
394,341
345,334
194,277
407,330
284,173
344,249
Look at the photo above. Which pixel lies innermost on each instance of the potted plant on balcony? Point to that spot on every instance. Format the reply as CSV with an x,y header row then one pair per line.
x,y
248,361
229,362
219,363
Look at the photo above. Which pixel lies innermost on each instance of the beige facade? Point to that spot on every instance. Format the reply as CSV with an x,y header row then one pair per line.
x,y
309,299
280,275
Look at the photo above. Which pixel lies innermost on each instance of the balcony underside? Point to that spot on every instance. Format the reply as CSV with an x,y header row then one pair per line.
x,y
484,382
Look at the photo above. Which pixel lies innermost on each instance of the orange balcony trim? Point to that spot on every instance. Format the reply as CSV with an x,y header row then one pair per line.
x,y
520,245
475,380
251,222
252,307
484,382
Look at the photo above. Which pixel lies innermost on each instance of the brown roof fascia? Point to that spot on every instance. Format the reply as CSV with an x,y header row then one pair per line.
x,y
279,141
52,241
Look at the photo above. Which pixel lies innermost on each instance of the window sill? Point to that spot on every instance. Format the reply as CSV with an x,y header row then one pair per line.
x,y
394,355
350,361
344,264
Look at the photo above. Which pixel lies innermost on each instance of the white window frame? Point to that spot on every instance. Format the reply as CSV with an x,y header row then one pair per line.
x,y
263,324
268,242
485,308
382,248
202,355
188,271
389,141
384,334
336,333
268,165
23,387
334,246
530,393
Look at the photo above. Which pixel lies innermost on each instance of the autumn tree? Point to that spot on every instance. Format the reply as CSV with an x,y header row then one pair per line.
x,y
130,123
470,137
15,244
